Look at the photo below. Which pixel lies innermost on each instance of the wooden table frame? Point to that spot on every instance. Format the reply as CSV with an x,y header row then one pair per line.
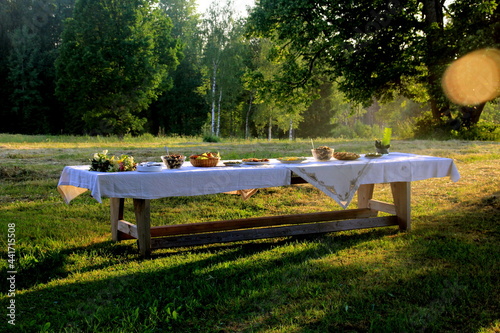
x,y
192,234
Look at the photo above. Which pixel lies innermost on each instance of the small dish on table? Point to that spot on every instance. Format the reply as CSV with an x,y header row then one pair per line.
x,y
373,155
149,167
232,163
255,161
292,160
345,156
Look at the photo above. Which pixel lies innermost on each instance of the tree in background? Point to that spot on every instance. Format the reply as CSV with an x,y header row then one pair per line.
x,y
280,106
318,116
182,110
114,60
473,25
24,77
230,83
375,48
29,37
219,26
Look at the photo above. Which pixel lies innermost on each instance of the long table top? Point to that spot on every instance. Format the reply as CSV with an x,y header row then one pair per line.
x,y
337,178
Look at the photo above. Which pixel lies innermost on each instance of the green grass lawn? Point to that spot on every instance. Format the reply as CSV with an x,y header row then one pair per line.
x,y
443,276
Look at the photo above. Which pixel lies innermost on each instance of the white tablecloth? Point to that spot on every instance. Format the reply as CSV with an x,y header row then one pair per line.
x,y
342,181
338,179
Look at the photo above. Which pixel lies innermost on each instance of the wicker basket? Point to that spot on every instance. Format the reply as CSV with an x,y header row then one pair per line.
x,y
208,162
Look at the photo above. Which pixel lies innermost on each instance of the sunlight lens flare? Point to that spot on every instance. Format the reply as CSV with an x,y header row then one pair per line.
x,y
474,78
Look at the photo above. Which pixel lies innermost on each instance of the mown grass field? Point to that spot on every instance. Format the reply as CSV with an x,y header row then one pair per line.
x,y
443,276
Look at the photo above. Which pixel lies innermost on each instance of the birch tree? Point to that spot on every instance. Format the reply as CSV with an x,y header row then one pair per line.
x,y
217,25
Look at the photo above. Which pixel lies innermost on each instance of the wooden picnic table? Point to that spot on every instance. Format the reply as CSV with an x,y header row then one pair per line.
x,y
340,180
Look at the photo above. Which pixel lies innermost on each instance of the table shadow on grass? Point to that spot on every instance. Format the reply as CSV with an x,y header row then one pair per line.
x,y
51,264
443,280
201,290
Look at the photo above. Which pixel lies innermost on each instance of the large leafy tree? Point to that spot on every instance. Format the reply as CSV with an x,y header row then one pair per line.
x,y
24,76
29,36
182,110
114,61
376,48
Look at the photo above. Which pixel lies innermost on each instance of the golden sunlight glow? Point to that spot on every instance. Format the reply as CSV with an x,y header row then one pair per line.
x,y
474,78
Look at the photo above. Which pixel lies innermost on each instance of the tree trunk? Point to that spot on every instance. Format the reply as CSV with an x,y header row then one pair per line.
x,y
214,79
436,59
290,131
269,129
433,11
247,118
470,115
218,113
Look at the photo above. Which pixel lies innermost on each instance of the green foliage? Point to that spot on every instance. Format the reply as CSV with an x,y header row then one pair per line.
x,y
491,112
483,131
427,127
218,26
25,79
356,131
182,110
372,48
317,117
29,36
278,105
284,78
386,138
114,60
211,138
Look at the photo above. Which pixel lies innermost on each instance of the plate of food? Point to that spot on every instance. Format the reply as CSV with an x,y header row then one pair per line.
x,y
149,167
255,161
232,163
345,156
373,155
292,160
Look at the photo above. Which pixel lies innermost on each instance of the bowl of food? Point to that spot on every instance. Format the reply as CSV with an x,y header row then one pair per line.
x,y
173,161
208,159
322,153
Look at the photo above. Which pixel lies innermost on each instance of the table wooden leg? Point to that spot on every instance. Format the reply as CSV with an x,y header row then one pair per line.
x,y
143,221
365,193
401,193
116,208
